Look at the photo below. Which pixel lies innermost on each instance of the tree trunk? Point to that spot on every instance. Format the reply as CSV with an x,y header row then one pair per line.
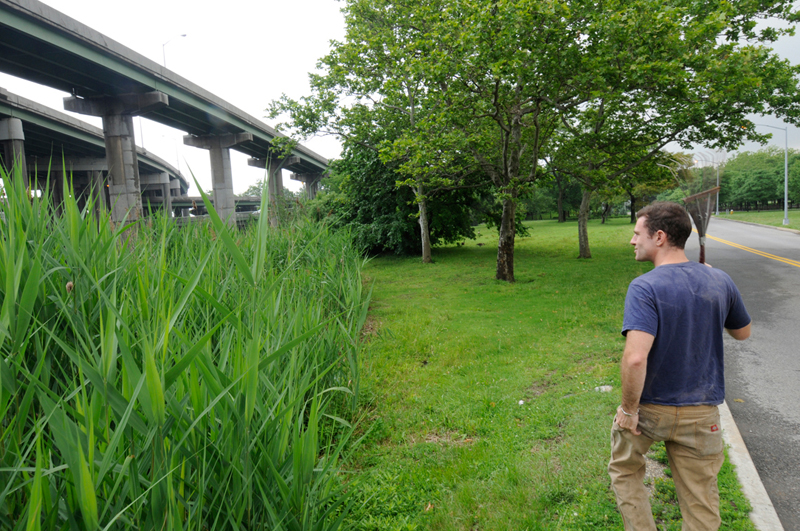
x,y
583,230
633,208
505,247
561,214
424,227
606,212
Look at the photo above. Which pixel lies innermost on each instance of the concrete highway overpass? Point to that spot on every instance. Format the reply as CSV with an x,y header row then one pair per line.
x,y
54,144
107,79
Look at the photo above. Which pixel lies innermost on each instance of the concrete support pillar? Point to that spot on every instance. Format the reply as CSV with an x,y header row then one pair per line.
x,y
174,192
274,183
310,181
13,140
123,167
167,196
156,187
221,174
175,188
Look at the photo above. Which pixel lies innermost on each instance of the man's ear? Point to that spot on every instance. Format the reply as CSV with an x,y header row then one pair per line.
x,y
661,237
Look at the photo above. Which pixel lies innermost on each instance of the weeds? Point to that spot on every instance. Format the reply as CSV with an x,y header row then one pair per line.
x,y
163,378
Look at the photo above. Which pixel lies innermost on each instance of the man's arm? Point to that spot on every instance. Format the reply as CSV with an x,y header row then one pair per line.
x,y
633,369
740,333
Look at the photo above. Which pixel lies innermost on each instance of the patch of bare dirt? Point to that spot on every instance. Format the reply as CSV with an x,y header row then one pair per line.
x,y
540,387
448,439
653,470
370,329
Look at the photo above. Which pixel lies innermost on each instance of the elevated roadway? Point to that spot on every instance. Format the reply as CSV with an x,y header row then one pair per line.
x,y
107,79
50,133
56,145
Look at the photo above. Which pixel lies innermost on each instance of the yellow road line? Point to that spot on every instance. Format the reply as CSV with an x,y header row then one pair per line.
x,y
789,261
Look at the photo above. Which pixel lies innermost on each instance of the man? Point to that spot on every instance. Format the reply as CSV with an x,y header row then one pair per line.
x,y
672,372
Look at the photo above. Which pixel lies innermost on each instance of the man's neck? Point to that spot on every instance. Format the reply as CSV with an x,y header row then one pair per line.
x,y
670,255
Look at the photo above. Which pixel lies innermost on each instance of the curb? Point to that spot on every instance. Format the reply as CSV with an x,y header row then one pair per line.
x,y
759,225
763,514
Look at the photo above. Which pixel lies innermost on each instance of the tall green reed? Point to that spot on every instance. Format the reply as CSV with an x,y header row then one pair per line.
x,y
185,378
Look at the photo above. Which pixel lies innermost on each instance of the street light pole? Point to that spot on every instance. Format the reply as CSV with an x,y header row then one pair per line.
x,y
786,177
164,48
785,170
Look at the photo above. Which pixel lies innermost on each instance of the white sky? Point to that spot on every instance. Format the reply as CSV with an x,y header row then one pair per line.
x,y
246,52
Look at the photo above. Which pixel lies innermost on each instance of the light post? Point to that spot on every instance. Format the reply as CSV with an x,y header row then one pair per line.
x,y
717,214
164,46
785,171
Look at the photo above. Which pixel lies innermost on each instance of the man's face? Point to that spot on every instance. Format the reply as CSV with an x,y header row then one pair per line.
x,y
644,245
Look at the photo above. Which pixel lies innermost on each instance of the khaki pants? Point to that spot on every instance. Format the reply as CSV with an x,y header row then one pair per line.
x,y
693,438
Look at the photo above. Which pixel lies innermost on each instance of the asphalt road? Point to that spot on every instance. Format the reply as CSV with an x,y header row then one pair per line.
x,y
763,373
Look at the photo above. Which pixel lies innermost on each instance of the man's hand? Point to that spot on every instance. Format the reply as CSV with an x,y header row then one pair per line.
x,y
628,423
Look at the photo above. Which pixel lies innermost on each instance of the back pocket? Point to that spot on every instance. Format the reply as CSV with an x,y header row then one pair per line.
x,y
708,434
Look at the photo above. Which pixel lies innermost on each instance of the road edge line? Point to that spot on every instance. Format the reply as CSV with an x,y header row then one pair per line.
x,y
763,514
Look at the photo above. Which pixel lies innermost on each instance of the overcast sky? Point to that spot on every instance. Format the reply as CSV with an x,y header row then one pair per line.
x,y
248,53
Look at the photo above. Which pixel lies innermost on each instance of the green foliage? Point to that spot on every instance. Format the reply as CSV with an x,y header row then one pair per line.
x,y
256,189
361,193
490,211
162,377
259,188
452,89
540,202
758,177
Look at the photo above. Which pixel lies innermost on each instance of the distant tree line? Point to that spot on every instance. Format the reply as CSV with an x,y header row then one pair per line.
x,y
755,181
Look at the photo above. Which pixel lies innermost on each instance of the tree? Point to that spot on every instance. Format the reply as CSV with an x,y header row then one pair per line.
x,y
684,72
496,67
361,194
621,78
647,180
493,81
255,190
563,189
371,93
758,177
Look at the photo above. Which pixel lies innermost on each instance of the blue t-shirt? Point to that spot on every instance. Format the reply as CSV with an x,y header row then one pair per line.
x,y
686,306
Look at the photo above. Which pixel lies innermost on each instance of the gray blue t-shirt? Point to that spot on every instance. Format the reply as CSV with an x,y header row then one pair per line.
x,y
686,306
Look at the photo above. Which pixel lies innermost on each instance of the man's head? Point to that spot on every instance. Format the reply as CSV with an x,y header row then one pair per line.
x,y
660,225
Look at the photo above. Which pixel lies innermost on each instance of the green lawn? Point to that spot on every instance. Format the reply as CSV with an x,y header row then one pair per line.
x,y
479,395
765,217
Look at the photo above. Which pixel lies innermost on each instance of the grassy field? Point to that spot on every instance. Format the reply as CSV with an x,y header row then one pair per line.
x,y
765,217
480,395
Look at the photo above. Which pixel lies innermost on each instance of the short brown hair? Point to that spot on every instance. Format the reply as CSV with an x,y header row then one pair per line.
x,y
669,217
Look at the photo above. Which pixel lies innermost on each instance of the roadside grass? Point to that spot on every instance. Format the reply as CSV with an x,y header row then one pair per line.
x,y
765,217
479,394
